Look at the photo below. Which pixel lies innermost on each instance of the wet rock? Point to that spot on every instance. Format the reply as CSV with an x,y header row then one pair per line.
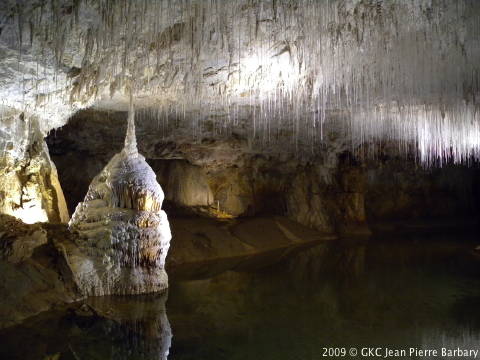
x,y
306,200
350,215
203,247
33,275
43,273
222,179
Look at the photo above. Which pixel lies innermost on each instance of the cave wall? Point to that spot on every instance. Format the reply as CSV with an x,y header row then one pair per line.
x,y
236,73
397,189
334,191
33,274
217,178
29,185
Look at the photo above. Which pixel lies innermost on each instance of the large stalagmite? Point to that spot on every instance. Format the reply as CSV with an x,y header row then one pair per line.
x,y
124,235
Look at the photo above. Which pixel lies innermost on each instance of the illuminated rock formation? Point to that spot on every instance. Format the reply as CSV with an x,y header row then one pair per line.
x,y
124,234
29,186
282,72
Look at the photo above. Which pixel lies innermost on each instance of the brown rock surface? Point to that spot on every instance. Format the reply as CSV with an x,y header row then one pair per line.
x,y
33,275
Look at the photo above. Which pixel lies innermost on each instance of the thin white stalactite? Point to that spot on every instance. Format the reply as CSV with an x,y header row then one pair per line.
x,y
402,71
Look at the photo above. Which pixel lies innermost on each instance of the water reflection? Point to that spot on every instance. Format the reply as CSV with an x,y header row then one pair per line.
x,y
414,292
138,325
107,328
395,292
456,344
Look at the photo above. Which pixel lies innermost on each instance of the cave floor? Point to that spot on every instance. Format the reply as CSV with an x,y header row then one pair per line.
x,y
397,292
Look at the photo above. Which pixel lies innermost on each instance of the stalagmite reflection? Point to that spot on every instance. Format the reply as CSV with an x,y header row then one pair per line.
x,y
339,293
107,328
140,327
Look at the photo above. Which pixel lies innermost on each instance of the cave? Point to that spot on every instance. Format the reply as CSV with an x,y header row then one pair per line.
x,y
239,179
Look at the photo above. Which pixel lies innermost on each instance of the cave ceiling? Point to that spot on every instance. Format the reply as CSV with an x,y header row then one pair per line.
x,y
270,70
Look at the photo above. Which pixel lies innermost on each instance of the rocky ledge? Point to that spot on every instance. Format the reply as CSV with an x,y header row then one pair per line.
x,y
35,276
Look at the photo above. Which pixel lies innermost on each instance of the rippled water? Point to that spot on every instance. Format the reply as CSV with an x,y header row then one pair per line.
x,y
399,293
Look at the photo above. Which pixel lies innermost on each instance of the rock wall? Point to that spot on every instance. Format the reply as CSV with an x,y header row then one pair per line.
x,y
82,145
29,185
252,185
334,202
397,189
33,274
219,178
330,191
185,185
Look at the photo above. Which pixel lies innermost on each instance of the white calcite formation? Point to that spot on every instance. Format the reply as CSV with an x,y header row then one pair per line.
x,y
277,71
124,235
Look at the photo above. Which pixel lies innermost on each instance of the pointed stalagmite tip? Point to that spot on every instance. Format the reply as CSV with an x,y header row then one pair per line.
x,y
130,139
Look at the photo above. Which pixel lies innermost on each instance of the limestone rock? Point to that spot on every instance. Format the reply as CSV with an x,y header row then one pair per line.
x,y
223,179
306,200
33,277
29,185
124,235
205,247
329,204
18,240
397,190
56,59
185,184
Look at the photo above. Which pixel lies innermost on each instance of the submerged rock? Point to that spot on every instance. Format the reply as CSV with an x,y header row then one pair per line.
x,y
124,235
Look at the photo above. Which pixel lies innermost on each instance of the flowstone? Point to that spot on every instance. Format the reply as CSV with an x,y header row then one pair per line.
x,y
124,235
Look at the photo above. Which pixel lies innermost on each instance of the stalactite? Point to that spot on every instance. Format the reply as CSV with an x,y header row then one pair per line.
x,y
402,71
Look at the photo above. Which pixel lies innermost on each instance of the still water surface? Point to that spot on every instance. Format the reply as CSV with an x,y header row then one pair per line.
x,y
416,291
